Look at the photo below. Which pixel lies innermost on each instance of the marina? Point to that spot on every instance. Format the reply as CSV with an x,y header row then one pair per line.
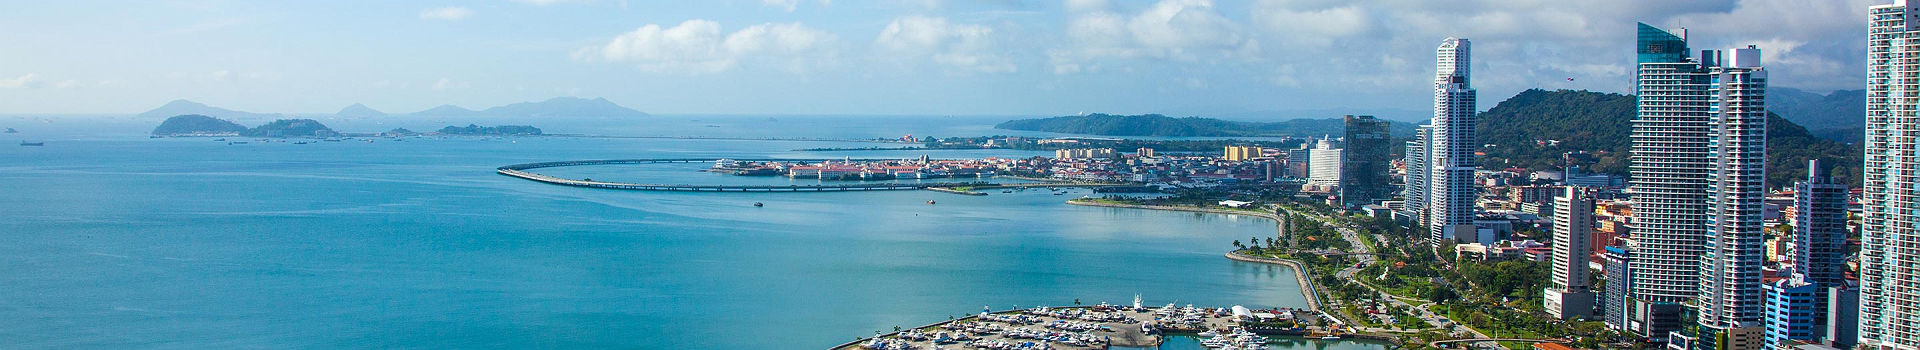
x,y
1101,326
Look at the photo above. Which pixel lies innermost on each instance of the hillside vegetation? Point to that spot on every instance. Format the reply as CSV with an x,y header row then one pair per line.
x,y
1160,125
1540,129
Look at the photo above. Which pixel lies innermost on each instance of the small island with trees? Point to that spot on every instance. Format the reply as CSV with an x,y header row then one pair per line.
x,y
193,125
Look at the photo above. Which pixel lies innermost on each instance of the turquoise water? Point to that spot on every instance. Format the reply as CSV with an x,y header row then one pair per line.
x,y
111,240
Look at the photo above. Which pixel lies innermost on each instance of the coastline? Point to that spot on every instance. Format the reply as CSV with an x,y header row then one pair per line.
x,y
1300,272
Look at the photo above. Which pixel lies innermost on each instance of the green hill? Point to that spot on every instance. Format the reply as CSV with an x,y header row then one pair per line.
x,y
1536,129
1839,115
195,124
291,128
1160,125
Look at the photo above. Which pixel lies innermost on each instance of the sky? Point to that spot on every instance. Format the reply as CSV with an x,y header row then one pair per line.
x,y
904,57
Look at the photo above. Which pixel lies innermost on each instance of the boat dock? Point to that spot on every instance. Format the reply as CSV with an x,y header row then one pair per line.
x,y
1081,327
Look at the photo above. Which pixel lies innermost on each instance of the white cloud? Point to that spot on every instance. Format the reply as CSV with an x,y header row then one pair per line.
x,y
447,84
28,81
541,2
1314,25
453,13
1078,6
697,47
788,5
968,47
1176,30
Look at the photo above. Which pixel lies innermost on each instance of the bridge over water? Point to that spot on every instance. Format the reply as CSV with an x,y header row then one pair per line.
x,y
521,171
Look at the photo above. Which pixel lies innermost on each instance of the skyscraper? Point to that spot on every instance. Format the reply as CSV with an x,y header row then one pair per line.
x,y
1798,306
1326,163
1418,171
1731,301
1570,296
1363,173
1699,154
1618,279
1820,228
1890,226
1450,198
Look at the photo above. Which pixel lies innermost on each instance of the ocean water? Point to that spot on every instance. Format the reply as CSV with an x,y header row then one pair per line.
x,y
112,240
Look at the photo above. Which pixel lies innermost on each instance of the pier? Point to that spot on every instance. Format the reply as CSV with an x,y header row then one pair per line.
x,y
521,171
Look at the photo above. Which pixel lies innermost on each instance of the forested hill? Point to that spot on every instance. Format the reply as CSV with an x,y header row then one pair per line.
x,y
1537,127
1160,125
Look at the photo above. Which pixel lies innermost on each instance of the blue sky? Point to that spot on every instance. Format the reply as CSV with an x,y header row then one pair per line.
x,y
925,57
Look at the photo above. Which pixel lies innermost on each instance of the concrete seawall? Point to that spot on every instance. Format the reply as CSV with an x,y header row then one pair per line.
x,y
1300,274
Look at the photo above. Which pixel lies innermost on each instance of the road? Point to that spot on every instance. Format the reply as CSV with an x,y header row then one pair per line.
x,y
1347,273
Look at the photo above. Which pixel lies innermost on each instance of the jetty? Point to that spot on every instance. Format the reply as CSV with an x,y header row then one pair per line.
x,y
522,171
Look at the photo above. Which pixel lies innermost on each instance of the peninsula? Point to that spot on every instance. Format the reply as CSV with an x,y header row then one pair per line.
x,y
1160,125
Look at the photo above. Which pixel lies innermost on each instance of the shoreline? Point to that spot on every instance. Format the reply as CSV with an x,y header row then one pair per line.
x,y
1301,274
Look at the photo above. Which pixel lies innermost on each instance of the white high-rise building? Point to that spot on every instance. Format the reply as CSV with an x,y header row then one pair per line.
x,y
1889,263
1731,299
1699,154
1450,205
1415,189
1326,163
1571,295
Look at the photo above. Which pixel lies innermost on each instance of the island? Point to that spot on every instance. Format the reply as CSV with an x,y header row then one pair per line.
x,y
502,130
197,125
291,128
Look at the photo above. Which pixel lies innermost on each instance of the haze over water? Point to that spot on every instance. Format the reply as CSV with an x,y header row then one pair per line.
x,y
120,241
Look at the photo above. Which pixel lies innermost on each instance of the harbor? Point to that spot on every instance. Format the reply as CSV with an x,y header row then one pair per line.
x,y
1105,326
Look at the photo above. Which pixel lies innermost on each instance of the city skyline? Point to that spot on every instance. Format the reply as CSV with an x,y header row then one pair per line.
x,y
811,57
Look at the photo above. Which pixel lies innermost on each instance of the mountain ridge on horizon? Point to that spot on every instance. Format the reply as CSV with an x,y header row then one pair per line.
x,y
557,106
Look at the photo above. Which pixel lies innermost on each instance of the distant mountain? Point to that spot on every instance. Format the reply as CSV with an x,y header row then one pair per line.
x,y
471,129
1536,129
185,107
447,111
195,124
291,128
1839,115
1160,125
565,107
360,111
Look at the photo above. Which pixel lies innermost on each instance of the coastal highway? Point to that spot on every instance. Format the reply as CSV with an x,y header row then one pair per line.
x,y
1437,321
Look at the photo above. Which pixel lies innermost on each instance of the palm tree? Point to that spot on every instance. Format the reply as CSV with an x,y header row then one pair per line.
x,y
1237,245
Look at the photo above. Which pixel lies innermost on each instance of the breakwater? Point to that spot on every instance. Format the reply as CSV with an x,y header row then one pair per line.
x,y
521,171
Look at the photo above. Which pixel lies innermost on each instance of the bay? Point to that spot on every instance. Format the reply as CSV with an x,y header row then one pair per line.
x,y
112,240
